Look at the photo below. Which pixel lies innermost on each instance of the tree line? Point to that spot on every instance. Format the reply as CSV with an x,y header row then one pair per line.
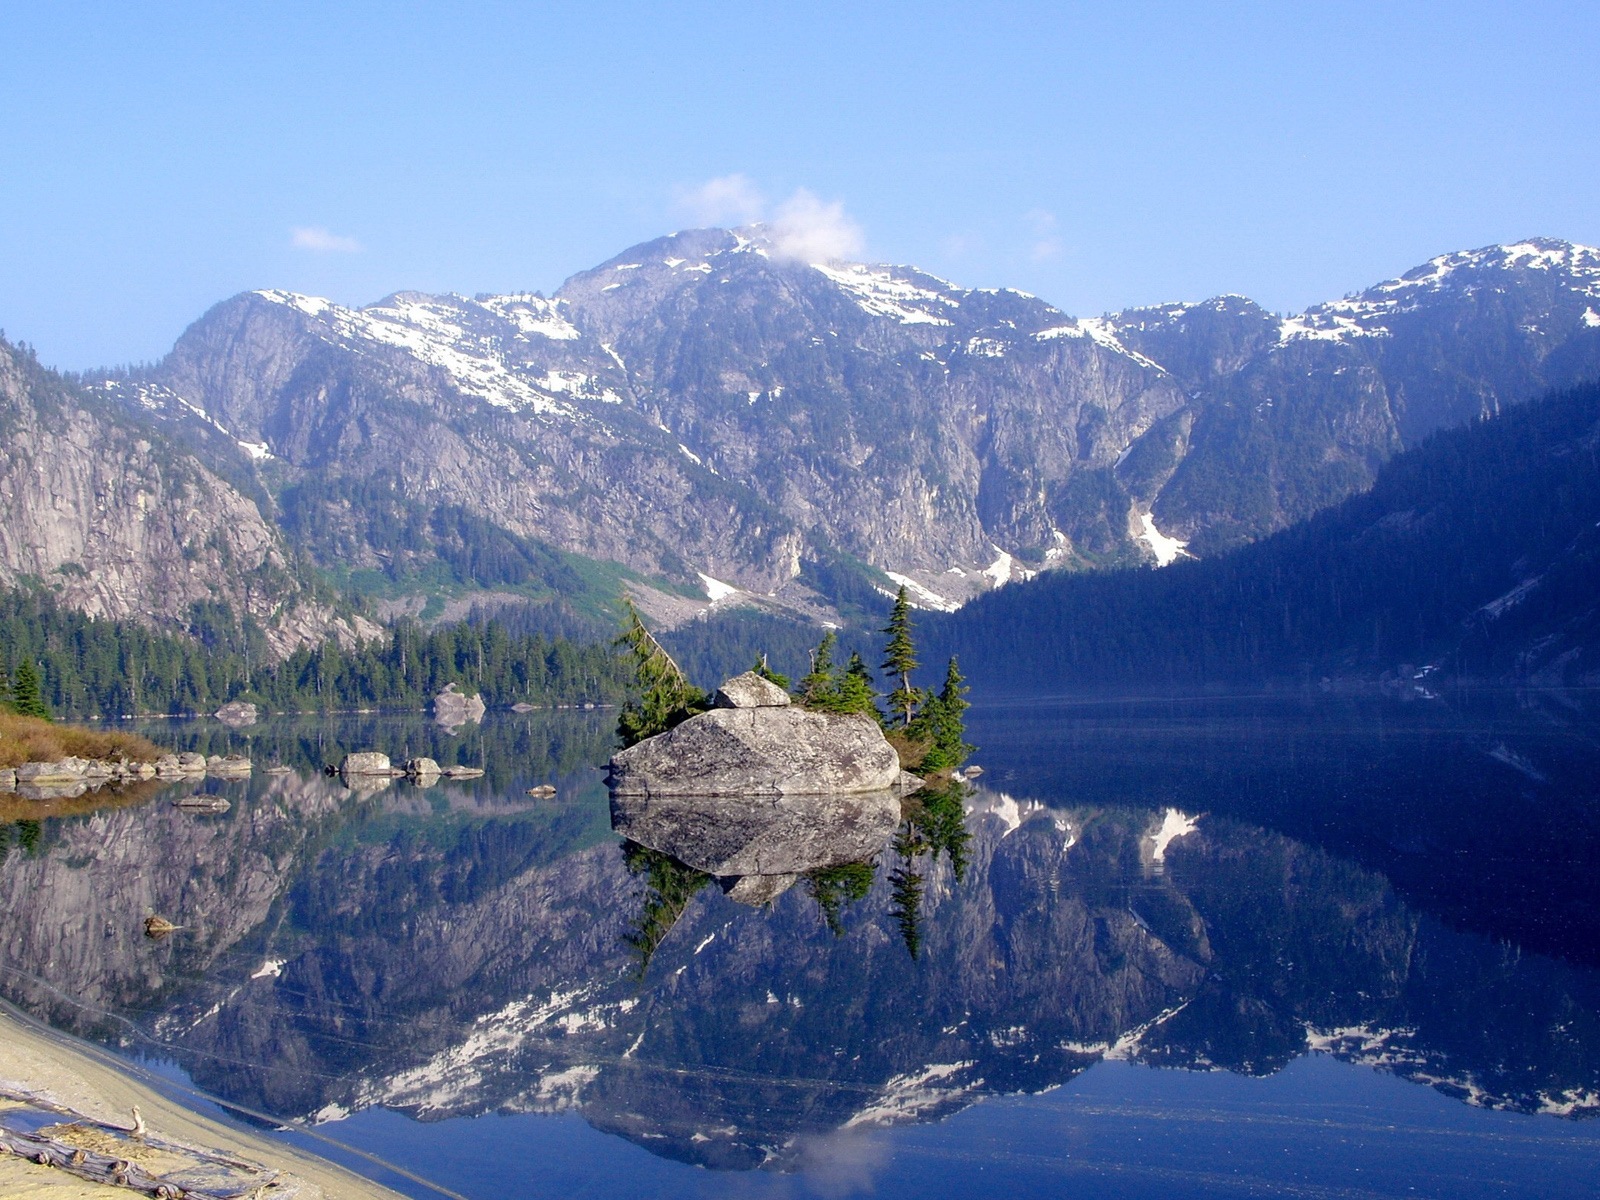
x,y
83,666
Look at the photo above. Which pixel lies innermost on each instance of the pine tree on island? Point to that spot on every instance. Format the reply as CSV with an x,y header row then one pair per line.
x,y
941,723
666,697
900,658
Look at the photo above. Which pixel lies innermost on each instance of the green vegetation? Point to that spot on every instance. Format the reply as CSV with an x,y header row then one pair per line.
x,y
900,659
835,887
25,698
827,688
90,667
669,886
662,695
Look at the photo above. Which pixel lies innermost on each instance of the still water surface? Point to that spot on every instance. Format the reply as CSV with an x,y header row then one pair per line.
x,y
1320,947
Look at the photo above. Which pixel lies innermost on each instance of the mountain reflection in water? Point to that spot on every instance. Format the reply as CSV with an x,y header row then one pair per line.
x,y
465,949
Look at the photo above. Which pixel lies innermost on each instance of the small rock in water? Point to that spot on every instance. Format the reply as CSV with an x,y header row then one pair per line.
x,y
544,789
462,772
237,713
451,708
156,927
366,762
422,770
234,766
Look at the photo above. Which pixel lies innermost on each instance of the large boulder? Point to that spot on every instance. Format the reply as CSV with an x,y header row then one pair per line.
x,y
750,691
759,752
366,762
451,708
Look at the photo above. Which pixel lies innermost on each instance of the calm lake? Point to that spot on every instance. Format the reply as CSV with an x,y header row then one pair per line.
x,y
1307,945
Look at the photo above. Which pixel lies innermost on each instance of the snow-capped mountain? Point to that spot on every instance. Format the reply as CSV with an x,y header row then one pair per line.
x,y
705,411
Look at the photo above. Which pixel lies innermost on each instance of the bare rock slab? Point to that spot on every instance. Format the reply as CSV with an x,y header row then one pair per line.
x,y
751,691
763,751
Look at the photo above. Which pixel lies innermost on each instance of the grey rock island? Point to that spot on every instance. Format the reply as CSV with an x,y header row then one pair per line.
x,y
755,744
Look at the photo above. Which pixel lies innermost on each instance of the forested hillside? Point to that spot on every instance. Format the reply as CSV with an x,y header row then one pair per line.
x,y
1476,554
90,667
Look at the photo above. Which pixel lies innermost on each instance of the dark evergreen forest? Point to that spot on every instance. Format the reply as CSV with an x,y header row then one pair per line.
x,y
90,667
1476,552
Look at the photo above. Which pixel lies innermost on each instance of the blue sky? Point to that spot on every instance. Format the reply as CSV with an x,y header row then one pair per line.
x,y
160,157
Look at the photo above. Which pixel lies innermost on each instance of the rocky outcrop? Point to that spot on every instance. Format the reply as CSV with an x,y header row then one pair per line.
x,y
451,708
96,503
238,713
750,691
764,751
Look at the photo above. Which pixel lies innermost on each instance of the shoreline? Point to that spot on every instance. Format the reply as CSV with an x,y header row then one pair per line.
x,y
91,1096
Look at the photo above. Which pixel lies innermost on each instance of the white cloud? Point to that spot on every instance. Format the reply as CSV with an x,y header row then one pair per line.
x,y
1046,244
806,229
725,200
318,239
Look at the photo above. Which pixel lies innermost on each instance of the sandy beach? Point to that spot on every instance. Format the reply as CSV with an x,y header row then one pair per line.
x,y
77,1103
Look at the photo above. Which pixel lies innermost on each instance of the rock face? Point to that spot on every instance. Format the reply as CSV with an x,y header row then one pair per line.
x,y
765,752
700,403
96,503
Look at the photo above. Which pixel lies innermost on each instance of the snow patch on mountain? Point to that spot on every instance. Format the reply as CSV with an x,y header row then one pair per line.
x,y
922,597
1174,825
1102,332
876,290
1166,549
915,1095
532,315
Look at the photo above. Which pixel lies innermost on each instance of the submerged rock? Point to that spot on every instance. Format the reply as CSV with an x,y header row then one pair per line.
x,y
762,751
234,766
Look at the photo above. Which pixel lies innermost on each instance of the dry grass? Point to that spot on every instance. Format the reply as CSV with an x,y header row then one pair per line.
x,y
911,750
28,739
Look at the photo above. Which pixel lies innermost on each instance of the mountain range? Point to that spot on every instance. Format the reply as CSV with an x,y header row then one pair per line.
x,y
703,422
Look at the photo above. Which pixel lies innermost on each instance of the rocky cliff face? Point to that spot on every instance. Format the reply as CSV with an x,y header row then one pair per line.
x,y
104,511
703,410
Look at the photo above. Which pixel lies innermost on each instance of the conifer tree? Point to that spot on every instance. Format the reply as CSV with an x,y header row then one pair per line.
x,y
766,672
817,686
854,691
25,695
666,697
900,658
942,722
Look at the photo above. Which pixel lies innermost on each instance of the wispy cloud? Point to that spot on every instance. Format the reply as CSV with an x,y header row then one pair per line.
x,y
1046,242
803,228
318,240
808,230
725,200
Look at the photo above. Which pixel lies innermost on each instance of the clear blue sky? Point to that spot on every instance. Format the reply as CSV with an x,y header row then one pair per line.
x,y
160,157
